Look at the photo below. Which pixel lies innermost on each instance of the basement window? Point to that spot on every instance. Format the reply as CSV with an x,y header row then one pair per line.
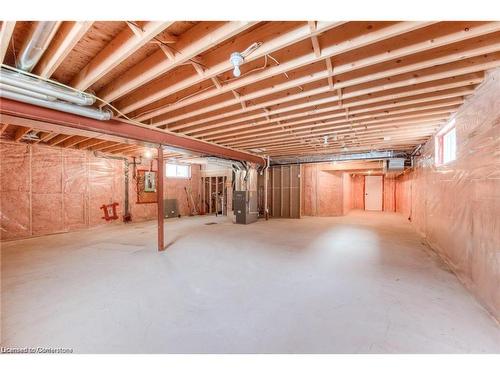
x,y
446,144
178,171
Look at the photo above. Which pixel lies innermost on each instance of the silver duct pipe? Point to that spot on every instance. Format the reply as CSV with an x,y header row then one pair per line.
x,y
57,105
372,155
39,39
22,91
224,162
36,85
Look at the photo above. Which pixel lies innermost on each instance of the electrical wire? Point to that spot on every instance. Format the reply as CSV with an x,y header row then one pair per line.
x,y
206,88
132,120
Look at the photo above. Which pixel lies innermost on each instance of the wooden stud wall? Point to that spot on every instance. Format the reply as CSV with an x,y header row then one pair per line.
x,y
284,191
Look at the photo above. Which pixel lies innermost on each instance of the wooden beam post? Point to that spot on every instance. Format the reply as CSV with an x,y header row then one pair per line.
x,y
161,239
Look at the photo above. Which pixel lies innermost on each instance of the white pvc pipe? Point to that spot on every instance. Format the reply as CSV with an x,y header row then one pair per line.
x,y
31,84
57,105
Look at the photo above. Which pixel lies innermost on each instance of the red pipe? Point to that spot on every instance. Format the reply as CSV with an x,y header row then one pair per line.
x,y
125,130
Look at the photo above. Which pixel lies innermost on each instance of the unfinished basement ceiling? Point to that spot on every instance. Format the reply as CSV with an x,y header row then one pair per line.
x,y
309,88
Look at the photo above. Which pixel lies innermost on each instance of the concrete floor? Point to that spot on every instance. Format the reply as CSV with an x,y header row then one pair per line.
x,y
363,283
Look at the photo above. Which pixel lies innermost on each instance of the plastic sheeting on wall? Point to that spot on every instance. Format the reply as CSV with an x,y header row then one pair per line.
x,y
456,206
48,190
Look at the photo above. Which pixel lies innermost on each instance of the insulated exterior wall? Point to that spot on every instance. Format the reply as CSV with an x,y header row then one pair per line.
x,y
456,206
47,190
173,188
389,194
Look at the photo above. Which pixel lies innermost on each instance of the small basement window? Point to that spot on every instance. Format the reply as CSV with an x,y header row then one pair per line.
x,y
446,144
178,170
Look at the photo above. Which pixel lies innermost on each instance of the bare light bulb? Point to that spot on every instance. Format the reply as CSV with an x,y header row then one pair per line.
x,y
148,154
236,60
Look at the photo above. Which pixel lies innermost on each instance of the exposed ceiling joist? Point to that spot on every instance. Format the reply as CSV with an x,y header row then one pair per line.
x,y
301,61
482,52
439,116
73,141
59,139
329,120
6,31
90,143
307,87
385,56
3,128
66,38
156,65
21,131
120,48
156,91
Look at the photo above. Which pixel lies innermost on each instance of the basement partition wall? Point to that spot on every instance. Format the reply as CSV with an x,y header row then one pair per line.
x,y
322,191
456,206
284,191
46,190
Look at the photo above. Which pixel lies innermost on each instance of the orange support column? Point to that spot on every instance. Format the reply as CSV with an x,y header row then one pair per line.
x,y
161,172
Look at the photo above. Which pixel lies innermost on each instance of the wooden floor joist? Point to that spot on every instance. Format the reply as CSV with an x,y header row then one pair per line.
x,y
363,85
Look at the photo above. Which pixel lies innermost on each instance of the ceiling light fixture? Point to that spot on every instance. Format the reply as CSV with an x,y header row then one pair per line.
x,y
238,58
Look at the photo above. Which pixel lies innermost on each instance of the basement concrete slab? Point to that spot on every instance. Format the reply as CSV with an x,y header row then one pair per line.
x,y
362,283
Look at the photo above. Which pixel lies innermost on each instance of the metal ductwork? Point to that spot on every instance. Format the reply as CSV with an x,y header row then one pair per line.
x,y
372,155
19,90
20,81
58,105
225,162
36,44
394,165
28,89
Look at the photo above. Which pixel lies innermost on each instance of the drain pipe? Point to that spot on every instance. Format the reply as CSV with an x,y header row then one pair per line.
x,y
36,44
